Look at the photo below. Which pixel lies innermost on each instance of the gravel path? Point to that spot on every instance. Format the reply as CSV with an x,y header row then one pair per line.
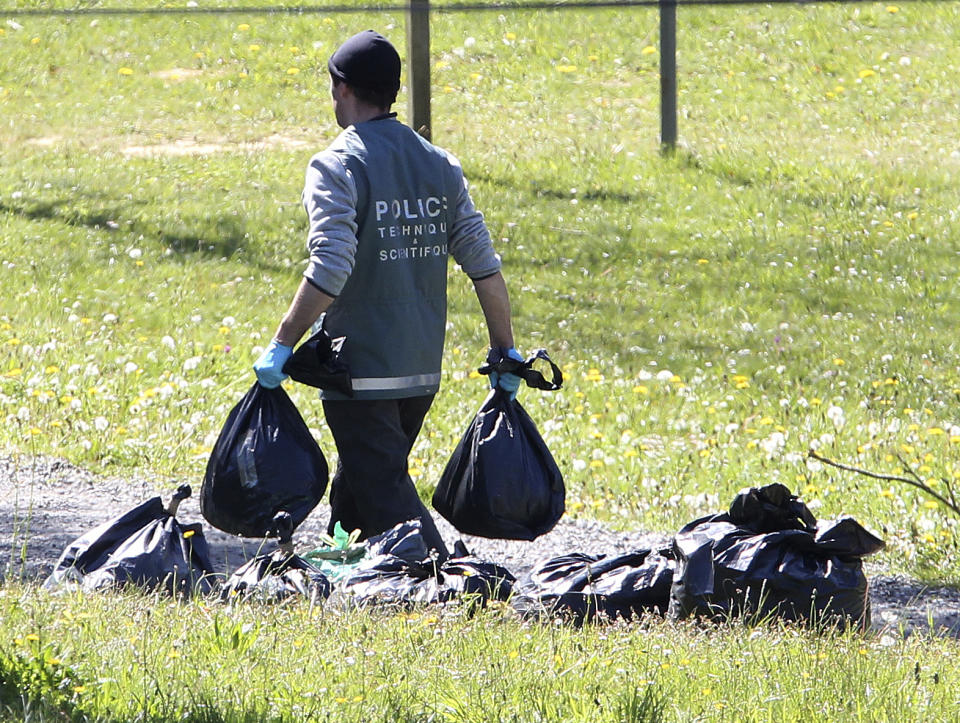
x,y
45,503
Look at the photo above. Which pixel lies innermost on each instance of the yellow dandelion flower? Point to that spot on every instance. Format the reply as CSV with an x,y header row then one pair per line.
x,y
79,688
839,362
935,431
913,215
866,73
510,36
125,71
886,493
253,47
641,389
293,71
198,55
931,504
243,27
32,637
892,9
34,41
188,534
567,68
13,342
702,262
649,50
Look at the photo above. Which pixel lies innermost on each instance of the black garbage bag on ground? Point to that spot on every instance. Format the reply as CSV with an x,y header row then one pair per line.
x,y
146,547
265,461
398,569
278,575
465,575
317,363
734,565
589,586
501,481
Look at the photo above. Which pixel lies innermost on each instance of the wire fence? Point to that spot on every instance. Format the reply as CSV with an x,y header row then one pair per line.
x,y
418,34
191,9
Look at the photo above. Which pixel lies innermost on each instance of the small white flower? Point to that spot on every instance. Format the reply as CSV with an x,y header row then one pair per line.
x,y
192,363
130,367
101,424
135,253
835,414
579,465
168,342
109,318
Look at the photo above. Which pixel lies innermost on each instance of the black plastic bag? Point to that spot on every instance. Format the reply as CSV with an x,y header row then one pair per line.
x,y
316,363
265,461
586,586
726,569
145,546
501,481
278,575
399,570
466,575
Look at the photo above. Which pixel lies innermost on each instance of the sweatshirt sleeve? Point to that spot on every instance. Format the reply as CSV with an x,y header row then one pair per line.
x,y
469,240
330,200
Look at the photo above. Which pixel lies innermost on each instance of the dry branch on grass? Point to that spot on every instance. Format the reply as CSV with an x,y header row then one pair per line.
x,y
914,480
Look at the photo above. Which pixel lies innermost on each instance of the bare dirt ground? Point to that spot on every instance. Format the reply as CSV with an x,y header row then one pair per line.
x,y
46,503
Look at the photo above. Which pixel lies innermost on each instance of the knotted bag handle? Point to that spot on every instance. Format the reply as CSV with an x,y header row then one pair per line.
x,y
525,371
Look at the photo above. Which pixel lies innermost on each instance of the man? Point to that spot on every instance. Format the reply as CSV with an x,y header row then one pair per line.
x,y
385,208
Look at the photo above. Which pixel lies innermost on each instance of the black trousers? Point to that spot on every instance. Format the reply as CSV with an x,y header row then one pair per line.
x,y
371,489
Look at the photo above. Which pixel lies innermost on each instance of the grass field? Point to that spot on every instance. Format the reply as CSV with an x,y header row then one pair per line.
x,y
784,281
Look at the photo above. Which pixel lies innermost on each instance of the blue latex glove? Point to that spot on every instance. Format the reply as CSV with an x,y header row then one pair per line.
x,y
269,367
510,383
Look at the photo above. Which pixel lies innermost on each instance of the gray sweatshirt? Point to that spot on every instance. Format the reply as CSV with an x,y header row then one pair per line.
x,y
386,209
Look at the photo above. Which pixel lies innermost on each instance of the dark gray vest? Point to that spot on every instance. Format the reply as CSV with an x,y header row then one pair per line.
x,y
393,307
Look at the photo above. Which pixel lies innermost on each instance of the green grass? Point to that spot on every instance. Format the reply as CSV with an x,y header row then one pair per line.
x,y
785,280
103,658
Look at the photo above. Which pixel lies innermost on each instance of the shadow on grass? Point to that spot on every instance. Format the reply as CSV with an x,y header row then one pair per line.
x,y
209,237
534,190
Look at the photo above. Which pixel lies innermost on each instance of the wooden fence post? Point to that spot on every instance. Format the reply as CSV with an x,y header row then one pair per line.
x,y
668,75
418,65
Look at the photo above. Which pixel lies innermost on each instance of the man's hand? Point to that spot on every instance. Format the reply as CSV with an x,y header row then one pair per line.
x,y
269,367
510,383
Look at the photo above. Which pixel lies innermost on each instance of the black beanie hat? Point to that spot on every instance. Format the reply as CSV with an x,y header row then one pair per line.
x,y
367,60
